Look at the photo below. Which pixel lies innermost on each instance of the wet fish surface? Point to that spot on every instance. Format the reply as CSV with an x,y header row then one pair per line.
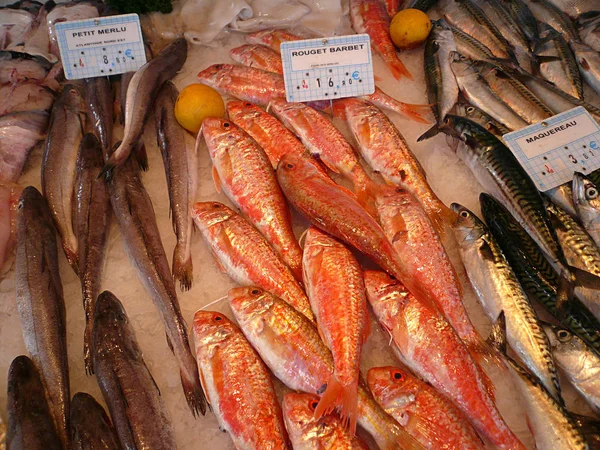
x,y
90,425
98,98
587,203
257,56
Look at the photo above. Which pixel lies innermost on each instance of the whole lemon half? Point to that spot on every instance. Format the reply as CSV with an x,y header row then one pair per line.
x,y
196,102
409,28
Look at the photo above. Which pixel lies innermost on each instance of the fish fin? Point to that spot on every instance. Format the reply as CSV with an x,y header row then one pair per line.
x,y
366,191
398,68
583,278
434,130
413,112
169,343
442,221
182,269
342,397
585,65
339,110
376,78
139,152
482,352
204,388
216,179
546,59
194,395
399,438
497,337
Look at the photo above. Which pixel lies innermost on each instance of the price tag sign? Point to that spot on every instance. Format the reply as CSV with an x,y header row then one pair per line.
x,y
552,150
101,46
328,68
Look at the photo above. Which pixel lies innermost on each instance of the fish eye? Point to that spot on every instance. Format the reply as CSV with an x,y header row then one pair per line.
x,y
226,124
21,204
216,205
398,375
248,104
218,318
563,335
465,214
255,291
591,193
446,120
313,405
470,109
289,166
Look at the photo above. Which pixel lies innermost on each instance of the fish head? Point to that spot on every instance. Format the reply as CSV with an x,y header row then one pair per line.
x,y
317,238
585,195
564,341
386,295
467,226
209,214
214,75
285,110
264,37
350,107
299,409
220,135
393,387
250,304
460,64
109,310
33,206
239,110
243,53
212,328
303,427
71,97
296,167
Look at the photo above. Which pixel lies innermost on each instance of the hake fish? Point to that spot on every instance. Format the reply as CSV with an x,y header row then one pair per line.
x,y
41,306
90,425
135,217
238,384
142,91
65,132
181,169
136,406
98,98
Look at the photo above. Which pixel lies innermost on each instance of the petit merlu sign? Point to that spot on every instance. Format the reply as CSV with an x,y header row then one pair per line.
x,y
101,46
553,150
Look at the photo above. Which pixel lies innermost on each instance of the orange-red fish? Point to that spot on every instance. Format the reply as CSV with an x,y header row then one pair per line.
x,y
246,83
257,56
237,384
371,17
423,256
244,254
392,7
308,433
243,170
336,291
430,347
425,413
271,38
408,110
387,152
291,347
325,142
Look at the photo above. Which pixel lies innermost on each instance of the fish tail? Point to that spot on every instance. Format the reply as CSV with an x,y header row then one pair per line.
x,y
399,438
139,151
398,69
483,353
87,353
413,112
343,397
183,270
366,192
194,394
72,258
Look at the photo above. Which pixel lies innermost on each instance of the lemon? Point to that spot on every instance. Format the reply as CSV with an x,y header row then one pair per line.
x,y
196,102
410,28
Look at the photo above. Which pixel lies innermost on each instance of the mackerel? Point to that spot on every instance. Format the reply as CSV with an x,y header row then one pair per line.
x,y
587,203
525,20
546,11
476,115
562,196
588,61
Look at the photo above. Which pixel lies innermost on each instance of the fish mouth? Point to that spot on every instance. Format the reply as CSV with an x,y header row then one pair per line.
x,y
578,187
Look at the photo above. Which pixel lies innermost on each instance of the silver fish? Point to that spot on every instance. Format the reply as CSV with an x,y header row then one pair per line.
x,y
498,289
469,46
181,168
580,364
574,8
588,61
99,105
41,305
524,19
547,12
589,32
587,203
140,417
135,217
144,87
563,196
30,423
478,116
65,132
90,425
92,219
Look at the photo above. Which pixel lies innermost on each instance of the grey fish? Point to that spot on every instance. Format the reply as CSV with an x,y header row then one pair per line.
x,y
525,19
99,106
144,87
181,168
16,67
550,423
563,73
580,364
563,196
136,220
589,32
65,132
477,92
475,114
138,410
498,289
442,90
91,428
41,305
512,92
469,46
30,424
585,198
545,11
92,219
28,95
588,61
20,132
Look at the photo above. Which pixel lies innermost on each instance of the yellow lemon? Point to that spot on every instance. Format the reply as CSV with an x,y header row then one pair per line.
x,y
410,28
196,102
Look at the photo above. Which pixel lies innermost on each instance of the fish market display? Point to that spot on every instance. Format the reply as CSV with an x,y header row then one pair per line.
x,y
546,11
476,115
242,252
16,67
41,305
588,61
271,38
30,423
134,401
242,169
181,169
259,57
98,99
336,290
585,198
308,433
27,95
9,201
291,347
428,416
90,426
245,404
92,218
141,92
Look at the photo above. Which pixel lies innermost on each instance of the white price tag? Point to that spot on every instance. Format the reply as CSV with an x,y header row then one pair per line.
x,y
552,150
101,46
328,68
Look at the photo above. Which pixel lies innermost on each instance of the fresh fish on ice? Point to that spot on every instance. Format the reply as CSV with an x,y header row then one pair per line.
x,y
257,56
98,99
90,425
271,38
587,203
476,115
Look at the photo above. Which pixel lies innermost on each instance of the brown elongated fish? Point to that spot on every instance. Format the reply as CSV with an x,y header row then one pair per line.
x,y
291,347
41,305
138,410
90,425
242,169
245,255
30,424
141,92
67,124
98,98
181,169
92,223
135,217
